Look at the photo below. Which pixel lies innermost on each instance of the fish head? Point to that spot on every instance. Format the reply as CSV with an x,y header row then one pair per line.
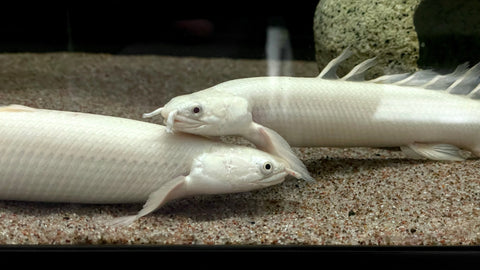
x,y
235,169
207,113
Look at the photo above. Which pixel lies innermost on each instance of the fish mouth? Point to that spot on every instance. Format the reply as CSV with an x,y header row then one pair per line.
x,y
173,120
181,122
274,179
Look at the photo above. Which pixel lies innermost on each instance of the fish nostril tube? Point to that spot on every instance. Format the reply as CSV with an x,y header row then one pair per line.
x,y
152,114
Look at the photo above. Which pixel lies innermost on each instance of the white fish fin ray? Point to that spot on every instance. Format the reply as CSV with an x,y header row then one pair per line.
x,y
467,82
433,151
284,150
462,81
475,93
358,72
442,82
156,199
330,70
390,79
418,78
410,153
122,221
271,142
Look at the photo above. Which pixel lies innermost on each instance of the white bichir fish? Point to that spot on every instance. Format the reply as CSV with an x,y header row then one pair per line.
x,y
426,114
60,156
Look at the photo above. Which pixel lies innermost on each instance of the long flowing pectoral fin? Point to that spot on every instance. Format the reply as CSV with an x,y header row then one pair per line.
x,y
270,141
168,191
433,151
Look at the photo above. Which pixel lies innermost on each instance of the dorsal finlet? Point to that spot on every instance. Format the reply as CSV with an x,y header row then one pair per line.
x,y
390,78
474,92
330,70
358,72
442,82
466,83
418,78
462,81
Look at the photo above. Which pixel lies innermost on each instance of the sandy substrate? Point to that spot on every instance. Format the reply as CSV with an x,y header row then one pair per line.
x,y
361,197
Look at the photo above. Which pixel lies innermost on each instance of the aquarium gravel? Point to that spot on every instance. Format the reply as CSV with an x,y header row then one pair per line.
x,y
362,196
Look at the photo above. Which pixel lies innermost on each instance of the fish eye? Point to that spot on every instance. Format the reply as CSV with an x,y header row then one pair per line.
x,y
267,167
196,109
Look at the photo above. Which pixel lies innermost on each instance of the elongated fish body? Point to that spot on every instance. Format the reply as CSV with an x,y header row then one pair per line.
x,y
48,155
426,114
59,156
336,113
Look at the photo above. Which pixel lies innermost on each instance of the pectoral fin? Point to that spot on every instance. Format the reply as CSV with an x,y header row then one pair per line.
x,y
167,192
433,151
270,141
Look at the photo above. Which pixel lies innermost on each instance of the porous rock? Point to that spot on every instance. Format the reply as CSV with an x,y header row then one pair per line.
x,y
381,28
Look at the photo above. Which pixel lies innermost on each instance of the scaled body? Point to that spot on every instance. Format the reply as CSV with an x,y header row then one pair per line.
x,y
426,114
60,156
335,113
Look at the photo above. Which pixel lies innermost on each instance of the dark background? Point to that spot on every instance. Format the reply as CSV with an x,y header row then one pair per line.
x,y
238,28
